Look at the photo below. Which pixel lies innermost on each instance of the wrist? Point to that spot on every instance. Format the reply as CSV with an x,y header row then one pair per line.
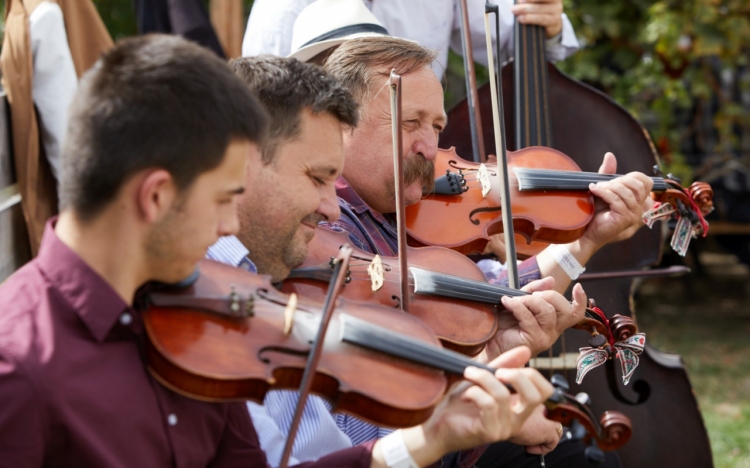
x,y
583,249
423,445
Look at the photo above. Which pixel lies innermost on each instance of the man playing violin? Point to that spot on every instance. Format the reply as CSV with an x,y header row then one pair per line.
x,y
535,320
159,137
366,193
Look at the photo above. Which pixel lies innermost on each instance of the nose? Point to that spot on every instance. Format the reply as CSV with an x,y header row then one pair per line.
x,y
229,224
426,143
329,204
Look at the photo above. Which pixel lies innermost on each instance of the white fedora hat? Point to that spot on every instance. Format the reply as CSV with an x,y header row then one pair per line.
x,y
327,23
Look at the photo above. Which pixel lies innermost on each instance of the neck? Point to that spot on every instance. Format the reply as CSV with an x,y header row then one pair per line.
x,y
106,245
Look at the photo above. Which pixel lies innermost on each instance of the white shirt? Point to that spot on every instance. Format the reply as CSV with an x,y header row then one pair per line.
x,y
435,24
54,79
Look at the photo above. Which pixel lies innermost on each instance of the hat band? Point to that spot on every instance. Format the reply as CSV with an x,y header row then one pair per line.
x,y
347,30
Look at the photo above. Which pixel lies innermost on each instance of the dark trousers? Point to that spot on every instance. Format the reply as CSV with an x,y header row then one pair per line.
x,y
566,455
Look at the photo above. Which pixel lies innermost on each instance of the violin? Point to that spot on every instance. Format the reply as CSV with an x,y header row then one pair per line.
x,y
549,197
230,335
448,292
545,107
461,316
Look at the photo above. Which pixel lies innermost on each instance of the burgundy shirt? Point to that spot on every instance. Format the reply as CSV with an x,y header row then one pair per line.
x,y
74,389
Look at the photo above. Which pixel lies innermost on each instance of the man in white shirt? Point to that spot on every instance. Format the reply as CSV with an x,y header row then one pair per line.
x,y
435,24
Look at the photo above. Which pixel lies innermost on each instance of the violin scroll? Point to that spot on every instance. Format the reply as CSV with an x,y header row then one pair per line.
x,y
610,432
703,195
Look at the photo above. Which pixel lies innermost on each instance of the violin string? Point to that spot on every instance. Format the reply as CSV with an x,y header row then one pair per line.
x,y
457,287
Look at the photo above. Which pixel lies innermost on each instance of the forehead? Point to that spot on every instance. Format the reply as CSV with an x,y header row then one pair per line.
x,y
318,143
421,93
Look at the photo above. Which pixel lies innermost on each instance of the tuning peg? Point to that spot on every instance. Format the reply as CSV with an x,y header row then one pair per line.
x,y
559,381
577,431
597,341
583,398
594,455
674,177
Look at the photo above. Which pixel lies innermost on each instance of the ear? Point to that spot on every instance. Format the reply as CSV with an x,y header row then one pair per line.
x,y
156,194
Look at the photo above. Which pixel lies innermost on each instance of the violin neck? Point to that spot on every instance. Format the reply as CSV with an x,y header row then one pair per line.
x,y
549,179
441,284
364,334
531,90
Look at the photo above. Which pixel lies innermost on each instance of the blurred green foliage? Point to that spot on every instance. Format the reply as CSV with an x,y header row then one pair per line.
x,y
679,66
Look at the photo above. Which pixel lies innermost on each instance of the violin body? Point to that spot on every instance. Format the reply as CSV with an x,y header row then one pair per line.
x,y
465,221
461,326
198,347
668,429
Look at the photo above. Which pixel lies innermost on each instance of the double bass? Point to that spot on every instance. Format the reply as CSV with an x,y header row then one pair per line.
x,y
545,107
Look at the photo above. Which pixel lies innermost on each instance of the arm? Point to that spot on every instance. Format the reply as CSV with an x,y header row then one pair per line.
x,y
477,411
546,13
270,25
55,79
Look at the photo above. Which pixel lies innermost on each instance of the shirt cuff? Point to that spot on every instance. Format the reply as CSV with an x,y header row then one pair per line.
x,y
528,271
559,49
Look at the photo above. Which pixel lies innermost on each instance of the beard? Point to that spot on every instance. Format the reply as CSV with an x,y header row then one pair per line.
x,y
276,250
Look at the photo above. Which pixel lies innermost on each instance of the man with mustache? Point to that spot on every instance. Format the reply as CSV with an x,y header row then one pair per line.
x,y
367,186
291,185
146,188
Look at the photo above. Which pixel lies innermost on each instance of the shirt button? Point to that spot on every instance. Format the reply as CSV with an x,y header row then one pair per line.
x,y
126,319
172,419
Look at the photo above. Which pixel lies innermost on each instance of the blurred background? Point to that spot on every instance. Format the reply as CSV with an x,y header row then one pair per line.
x,y
681,68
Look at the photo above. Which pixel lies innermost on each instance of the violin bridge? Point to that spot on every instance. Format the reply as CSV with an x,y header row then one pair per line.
x,y
483,175
291,307
375,270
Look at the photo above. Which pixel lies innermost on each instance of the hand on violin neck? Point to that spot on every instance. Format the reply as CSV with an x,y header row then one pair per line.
x,y
536,320
619,206
539,435
481,410
547,13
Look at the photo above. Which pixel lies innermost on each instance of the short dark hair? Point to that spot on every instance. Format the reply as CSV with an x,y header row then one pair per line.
x,y
286,86
152,101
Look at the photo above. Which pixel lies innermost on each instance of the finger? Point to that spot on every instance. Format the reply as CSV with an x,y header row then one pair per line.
x,y
547,9
539,306
514,358
490,385
579,302
648,182
526,319
609,164
543,284
528,395
603,191
538,19
620,187
556,300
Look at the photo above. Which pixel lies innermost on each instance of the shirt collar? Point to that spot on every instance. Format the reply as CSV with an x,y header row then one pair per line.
x,y
346,193
232,251
87,293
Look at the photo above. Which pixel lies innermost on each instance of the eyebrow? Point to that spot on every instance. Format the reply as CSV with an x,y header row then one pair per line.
x,y
236,191
325,170
443,119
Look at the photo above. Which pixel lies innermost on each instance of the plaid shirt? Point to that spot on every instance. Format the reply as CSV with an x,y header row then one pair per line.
x,y
376,233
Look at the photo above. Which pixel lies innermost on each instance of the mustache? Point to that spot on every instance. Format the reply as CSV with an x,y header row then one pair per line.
x,y
417,168
313,218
